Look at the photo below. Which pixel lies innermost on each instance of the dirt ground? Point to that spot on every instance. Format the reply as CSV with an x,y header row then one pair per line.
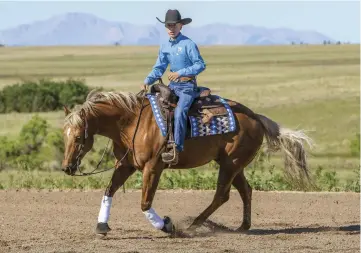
x,y
64,221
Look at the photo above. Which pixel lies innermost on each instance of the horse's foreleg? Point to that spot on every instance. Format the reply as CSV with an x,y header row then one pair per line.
x,y
151,175
120,175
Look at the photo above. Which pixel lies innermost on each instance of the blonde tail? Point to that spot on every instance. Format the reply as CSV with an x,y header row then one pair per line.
x,y
292,144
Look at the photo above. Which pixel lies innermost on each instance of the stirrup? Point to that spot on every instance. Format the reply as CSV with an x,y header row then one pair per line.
x,y
174,159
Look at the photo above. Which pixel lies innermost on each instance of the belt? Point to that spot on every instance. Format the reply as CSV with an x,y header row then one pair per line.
x,y
186,79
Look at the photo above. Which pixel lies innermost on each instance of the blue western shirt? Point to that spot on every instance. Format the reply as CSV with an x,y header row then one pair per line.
x,y
181,54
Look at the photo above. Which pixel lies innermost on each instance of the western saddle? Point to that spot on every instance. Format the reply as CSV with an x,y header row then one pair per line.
x,y
205,106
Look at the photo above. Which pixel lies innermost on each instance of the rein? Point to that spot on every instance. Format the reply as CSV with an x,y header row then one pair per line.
x,y
126,153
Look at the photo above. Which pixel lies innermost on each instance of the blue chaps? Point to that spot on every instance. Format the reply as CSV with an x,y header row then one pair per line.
x,y
186,91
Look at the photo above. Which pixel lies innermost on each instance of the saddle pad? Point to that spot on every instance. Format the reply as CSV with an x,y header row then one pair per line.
x,y
162,124
218,124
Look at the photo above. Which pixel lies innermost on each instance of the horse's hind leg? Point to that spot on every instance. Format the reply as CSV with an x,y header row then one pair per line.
x,y
225,178
241,184
231,172
120,175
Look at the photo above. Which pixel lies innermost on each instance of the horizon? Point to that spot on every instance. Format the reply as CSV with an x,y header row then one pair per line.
x,y
340,22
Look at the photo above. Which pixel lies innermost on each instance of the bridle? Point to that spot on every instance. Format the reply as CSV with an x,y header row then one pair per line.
x,y
86,135
78,157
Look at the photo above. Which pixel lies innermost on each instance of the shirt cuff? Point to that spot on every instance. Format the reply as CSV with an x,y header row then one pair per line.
x,y
146,81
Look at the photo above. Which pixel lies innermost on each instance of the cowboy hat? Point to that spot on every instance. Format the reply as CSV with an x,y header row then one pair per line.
x,y
173,17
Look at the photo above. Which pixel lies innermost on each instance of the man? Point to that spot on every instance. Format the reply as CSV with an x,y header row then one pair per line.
x,y
185,61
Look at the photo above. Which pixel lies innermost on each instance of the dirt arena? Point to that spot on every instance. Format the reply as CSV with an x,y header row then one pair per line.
x,y
43,221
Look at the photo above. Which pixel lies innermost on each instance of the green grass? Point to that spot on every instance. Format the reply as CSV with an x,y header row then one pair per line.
x,y
264,179
316,88
332,123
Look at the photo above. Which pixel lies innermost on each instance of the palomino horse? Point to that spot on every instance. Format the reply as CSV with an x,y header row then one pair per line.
x,y
127,119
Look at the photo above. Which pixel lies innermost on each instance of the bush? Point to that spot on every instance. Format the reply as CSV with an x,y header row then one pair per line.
x,y
42,96
40,147
37,145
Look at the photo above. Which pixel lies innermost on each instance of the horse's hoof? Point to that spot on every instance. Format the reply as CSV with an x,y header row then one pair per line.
x,y
244,227
102,229
169,227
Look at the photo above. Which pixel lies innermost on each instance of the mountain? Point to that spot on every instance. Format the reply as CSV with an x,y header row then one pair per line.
x,y
86,29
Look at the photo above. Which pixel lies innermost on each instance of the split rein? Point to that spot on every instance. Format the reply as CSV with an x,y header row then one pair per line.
x,y
78,158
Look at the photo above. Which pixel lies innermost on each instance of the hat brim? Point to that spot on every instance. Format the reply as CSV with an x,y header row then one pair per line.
x,y
184,21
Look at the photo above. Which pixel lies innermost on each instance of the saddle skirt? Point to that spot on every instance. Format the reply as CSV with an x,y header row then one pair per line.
x,y
208,115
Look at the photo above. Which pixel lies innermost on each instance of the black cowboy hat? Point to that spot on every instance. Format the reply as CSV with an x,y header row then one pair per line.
x,y
173,17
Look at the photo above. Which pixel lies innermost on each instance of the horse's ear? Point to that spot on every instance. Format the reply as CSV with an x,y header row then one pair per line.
x,y
66,110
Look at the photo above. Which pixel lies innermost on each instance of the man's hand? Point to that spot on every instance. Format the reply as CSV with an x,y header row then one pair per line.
x,y
173,76
144,87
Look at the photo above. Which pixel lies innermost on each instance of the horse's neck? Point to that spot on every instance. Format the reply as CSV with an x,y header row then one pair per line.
x,y
116,124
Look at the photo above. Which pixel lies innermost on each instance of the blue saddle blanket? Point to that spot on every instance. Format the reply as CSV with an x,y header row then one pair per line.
x,y
219,124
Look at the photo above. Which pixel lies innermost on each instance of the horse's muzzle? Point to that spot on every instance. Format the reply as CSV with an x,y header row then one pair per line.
x,y
70,169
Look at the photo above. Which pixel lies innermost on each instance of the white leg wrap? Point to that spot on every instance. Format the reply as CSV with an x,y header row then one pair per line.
x,y
105,209
153,217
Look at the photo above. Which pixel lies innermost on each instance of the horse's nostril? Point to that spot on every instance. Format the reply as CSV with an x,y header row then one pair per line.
x,y
66,169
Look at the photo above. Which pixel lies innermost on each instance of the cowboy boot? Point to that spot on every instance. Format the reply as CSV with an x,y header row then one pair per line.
x,y
171,157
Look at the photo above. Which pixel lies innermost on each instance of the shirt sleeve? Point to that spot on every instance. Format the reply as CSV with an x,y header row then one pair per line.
x,y
158,69
198,63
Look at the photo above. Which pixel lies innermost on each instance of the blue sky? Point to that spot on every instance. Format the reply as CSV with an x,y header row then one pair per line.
x,y
338,19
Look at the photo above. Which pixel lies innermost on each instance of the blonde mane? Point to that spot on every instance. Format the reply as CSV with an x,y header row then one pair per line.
x,y
124,100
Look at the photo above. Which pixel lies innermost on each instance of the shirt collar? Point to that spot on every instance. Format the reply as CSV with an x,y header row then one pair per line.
x,y
177,39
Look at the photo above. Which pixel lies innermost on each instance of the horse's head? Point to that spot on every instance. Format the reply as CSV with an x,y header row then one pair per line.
x,y
77,141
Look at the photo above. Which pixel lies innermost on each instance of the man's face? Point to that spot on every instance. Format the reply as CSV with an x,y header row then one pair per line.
x,y
173,29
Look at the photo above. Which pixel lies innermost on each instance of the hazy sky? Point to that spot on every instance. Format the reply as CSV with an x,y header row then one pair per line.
x,y
338,19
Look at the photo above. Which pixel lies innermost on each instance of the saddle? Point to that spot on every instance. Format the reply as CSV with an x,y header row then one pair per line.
x,y
204,107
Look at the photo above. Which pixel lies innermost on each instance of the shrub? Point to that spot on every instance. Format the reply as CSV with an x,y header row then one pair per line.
x,y
37,144
42,96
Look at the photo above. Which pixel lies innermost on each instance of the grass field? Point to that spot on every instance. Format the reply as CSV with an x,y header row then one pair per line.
x,y
316,88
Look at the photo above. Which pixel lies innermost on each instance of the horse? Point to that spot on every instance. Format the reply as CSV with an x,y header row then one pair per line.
x,y
127,119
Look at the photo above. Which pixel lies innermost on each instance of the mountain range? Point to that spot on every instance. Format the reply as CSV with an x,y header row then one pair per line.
x,y
77,28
